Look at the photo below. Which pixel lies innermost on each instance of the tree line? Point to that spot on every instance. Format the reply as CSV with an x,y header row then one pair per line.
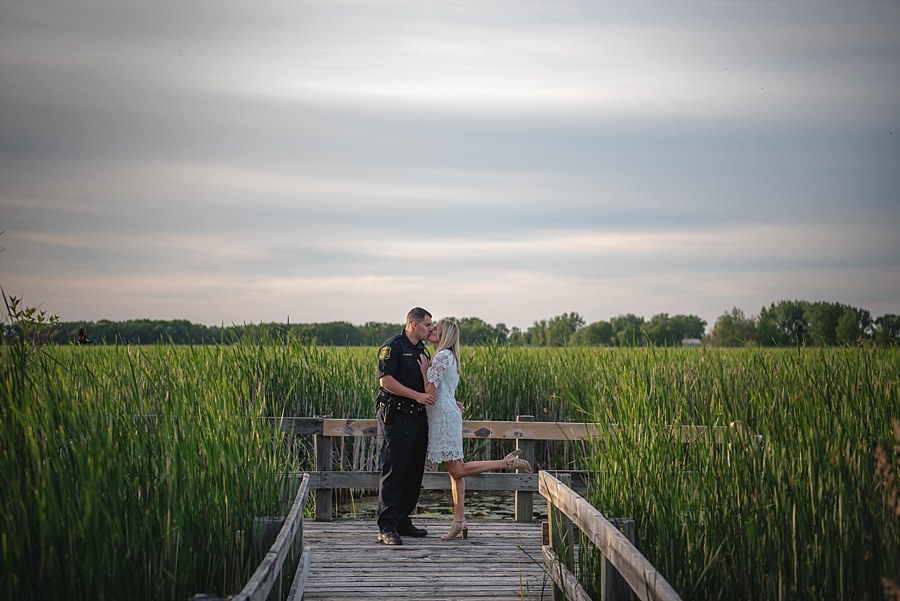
x,y
803,323
785,323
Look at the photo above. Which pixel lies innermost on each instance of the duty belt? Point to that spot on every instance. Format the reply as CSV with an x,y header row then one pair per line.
x,y
400,404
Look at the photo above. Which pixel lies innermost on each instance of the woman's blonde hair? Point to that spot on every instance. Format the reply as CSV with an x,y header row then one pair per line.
x,y
449,339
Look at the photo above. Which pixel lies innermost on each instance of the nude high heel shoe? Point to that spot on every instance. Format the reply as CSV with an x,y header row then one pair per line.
x,y
514,462
459,527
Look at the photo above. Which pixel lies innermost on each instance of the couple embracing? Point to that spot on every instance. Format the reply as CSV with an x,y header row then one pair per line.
x,y
418,416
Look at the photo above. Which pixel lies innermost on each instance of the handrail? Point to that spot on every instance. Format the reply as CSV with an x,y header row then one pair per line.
x,y
514,430
268,573
525,431
643,578
324,480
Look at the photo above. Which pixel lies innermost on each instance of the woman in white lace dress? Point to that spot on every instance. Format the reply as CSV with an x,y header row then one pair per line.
x,y
441,376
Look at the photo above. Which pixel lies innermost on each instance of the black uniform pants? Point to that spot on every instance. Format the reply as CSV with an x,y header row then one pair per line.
x,y
403,443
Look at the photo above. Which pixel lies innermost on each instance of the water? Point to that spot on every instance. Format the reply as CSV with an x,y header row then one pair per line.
x,y
439,503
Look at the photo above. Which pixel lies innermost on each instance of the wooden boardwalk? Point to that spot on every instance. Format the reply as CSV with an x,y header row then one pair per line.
x,y
501,561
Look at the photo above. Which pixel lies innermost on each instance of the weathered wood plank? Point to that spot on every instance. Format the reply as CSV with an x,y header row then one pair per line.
x,y
300,577
324,461
552,430
613,586
562,543
562,577
639,573
525,499
297,426
431,481
479,429
500,561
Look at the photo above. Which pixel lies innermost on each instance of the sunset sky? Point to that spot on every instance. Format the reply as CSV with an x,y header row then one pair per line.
x,y
238,162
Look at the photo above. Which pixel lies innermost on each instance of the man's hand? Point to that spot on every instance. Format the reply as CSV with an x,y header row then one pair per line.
x,y
423,398
395,387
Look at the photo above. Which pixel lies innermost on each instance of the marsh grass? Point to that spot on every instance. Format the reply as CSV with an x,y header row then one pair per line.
x,y
798,515
130,473
135,472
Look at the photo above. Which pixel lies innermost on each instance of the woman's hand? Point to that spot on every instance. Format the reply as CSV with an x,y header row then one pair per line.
x,y
430,389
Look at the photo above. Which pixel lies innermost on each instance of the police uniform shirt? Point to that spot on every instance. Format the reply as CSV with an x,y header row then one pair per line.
x,y
399,357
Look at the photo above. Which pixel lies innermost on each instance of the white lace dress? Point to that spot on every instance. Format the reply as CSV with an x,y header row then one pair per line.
x,y
444,417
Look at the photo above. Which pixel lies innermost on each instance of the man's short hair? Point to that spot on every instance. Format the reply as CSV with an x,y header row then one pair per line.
x,y
416,314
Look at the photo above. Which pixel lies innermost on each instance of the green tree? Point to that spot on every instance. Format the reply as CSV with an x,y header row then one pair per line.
x,y
689,326
854,326
733,329
474,330
516,336
332,333
374,332
822,320
599,333
887,329
664,330
561,327
767,331
628,330
783,324
660,330
536,335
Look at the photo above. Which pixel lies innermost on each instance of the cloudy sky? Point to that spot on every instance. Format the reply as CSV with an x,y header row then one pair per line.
x,y
237,162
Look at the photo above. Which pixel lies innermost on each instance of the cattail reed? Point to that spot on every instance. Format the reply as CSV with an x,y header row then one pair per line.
x,y
136,472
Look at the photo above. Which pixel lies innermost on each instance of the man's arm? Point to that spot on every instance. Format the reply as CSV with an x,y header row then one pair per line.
x,y
394,387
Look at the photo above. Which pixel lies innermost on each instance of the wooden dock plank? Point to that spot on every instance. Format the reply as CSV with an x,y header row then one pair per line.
x,y
501,560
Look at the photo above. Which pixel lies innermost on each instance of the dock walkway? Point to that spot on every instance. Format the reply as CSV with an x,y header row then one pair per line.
x,y
501,561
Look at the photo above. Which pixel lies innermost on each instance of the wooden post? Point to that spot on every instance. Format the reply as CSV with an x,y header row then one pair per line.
x,y
562,539
265,531
612,586
525,500
324,462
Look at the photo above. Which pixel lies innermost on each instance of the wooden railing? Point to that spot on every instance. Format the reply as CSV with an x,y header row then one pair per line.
x,y
525,431
567,510
324,479
266,582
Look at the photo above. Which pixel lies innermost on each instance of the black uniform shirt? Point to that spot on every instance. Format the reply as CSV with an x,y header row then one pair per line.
x,y
399,357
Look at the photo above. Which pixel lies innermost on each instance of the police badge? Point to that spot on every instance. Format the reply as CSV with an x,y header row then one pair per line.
x,y
384,353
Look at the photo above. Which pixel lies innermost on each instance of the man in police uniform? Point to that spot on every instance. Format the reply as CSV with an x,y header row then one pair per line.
x,y
402,427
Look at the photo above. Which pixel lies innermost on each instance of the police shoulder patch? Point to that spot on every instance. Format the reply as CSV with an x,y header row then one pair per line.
x,y
384,353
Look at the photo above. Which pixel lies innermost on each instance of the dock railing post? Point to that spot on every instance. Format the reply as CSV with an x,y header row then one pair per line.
x,y
525,500
324,462
613,586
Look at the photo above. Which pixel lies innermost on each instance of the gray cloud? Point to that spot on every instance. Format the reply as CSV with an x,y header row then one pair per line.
x,y
218,162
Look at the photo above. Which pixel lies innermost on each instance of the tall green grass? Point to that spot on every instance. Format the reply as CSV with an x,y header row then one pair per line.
x,y
135,472
799,515
130,473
